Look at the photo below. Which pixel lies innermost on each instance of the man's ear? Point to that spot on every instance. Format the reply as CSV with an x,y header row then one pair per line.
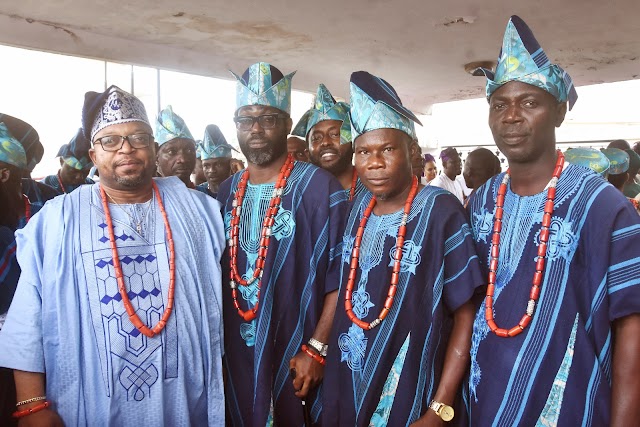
x,y
560,113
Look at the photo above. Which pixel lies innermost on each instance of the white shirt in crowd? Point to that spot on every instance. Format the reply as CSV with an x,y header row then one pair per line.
x,y
453,186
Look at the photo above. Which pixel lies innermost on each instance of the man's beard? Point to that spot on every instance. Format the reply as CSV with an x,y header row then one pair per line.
x,y
133,181
263,156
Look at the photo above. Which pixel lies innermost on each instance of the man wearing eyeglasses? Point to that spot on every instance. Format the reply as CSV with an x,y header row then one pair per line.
x,y
284,220
116,319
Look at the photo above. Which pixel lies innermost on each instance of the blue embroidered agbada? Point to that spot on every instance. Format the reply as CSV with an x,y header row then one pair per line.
x,y
300,269
388,375
558,370
67,318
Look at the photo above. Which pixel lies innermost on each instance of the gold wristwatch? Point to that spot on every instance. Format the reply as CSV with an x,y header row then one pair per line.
x,y
443,411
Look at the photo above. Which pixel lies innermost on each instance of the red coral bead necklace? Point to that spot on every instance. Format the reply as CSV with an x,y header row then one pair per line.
x,y
133,317
265,236
540,261
60,182
397,258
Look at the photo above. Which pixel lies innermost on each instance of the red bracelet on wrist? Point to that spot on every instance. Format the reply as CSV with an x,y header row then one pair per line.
x,y
37,408
313,355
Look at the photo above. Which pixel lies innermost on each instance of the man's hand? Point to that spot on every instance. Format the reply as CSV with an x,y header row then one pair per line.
x,y
308,374
43,418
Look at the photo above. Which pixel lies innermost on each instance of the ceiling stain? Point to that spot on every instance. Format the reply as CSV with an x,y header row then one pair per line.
x,y
54,25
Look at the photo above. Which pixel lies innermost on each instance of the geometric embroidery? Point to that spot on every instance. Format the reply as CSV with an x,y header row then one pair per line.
x,y
353,346
138,382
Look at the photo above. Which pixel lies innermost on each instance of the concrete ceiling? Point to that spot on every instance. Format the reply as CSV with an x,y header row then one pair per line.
x,y
419,46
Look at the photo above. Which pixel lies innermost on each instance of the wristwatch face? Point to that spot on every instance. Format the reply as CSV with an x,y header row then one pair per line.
x,y
446,413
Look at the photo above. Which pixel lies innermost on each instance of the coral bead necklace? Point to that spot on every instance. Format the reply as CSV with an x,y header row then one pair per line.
x,y
397,258
133,317
60,182
540,261
27,207
265,235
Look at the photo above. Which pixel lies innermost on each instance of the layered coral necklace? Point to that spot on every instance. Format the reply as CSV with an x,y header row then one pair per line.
x,y
397,258
534,294
265,235
133,317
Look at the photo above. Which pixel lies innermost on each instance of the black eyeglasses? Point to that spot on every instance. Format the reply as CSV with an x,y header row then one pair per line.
x,y
266,121
115,142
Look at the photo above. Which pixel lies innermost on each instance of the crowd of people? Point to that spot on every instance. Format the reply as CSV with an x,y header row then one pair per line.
x,y
336,280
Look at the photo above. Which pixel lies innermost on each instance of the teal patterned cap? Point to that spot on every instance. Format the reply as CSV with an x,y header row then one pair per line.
x,y
325,108
170,126
264,84
376,105
214,145
11,151
589,158
618,160
76,152
521,58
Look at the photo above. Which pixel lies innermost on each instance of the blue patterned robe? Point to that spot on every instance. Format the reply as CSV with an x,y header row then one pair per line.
x,y
558,371
67,318
52,181
388,375
300,270
204,188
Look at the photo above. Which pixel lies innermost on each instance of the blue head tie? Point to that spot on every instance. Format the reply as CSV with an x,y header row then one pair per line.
x,y
588,158
376,105
11,151
324,108
27,136
264,84
170,126
76,152
522,59
618,160
214,145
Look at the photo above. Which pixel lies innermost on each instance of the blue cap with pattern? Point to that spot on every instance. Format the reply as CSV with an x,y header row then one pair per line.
x,y
618,160
76,152
111,107
264,84
27,136
11,151
521,58
376,105
325,108
170,126
214,145
589,158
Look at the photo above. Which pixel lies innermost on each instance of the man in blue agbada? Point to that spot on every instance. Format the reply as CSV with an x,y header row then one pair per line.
x,y
177,148
36,192
400,340
281,264
75,165
555,340
103,265
215,155
327,130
